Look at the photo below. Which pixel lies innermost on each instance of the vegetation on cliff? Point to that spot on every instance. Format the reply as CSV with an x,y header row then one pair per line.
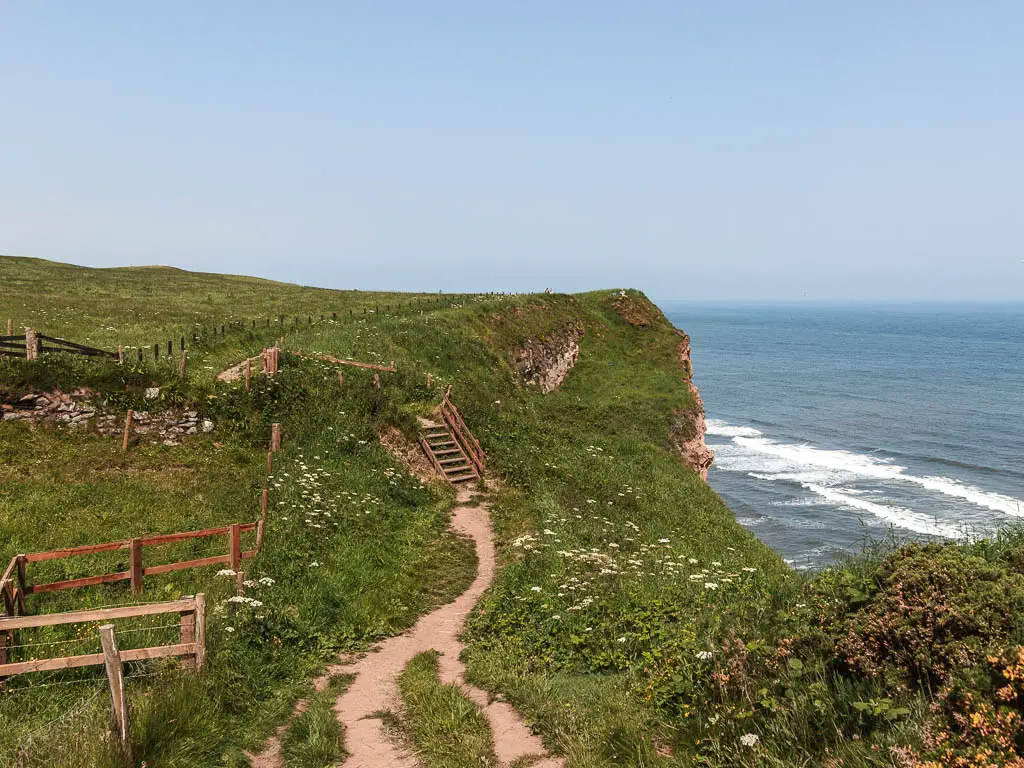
x,y
634,621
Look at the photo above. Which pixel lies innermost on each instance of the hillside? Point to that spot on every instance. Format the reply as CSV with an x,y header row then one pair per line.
x,y
632,621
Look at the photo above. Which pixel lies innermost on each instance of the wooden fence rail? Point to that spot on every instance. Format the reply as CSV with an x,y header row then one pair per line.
x,y
191,641
338,361
31,344
462,433
14,584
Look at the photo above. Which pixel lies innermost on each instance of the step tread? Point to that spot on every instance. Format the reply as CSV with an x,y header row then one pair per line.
x,y
445,453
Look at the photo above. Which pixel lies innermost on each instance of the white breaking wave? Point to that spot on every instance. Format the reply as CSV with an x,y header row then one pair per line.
x,y
719,428
830,473
845,463
899,516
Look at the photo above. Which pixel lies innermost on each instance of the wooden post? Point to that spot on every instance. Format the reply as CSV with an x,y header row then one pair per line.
x,y
270,462
31,350
120,354
10,327
341,379
261,525
240,583
235,546
22,583
429,381
187,631
118,700
376,380
275,437
183,364
135,545
127,429
200,630
248,374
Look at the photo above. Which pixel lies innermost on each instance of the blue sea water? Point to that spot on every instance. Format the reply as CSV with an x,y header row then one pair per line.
x,y
835,424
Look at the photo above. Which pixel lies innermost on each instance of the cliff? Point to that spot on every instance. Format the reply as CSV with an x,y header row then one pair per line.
x,y
689,427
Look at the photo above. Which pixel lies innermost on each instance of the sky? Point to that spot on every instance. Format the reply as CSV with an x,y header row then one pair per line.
x,y
732,151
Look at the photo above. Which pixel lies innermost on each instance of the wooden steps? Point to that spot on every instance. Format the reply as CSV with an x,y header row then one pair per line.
x,y
446,454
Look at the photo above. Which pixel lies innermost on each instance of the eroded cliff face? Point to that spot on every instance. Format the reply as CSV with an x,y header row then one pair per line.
x,y
689,427
544,363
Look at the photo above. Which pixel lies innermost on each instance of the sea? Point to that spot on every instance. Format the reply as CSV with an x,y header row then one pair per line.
x,y
837,426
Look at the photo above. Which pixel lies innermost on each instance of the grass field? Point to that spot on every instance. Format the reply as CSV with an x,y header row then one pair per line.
x,y
634,623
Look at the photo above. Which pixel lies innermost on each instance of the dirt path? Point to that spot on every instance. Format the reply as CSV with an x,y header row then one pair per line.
x,y
374,690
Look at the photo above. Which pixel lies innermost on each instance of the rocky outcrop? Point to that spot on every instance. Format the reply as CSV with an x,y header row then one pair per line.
x,y
635,310
689,427
78,411
544,363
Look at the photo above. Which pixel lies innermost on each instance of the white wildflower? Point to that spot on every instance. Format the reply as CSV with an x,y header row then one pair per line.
x,y
749,739
704,655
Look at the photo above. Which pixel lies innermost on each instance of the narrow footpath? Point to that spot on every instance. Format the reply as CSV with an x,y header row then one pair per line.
x,y
375,688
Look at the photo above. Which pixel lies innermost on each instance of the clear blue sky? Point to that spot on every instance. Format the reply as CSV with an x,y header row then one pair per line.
x,y
734,150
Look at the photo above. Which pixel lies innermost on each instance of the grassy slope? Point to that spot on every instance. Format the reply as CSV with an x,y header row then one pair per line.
x,y
634,622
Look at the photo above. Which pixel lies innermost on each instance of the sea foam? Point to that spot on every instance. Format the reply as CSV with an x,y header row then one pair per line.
x,y
823,471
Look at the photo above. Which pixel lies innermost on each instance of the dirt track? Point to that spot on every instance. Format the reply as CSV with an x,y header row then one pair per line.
x,y
375,688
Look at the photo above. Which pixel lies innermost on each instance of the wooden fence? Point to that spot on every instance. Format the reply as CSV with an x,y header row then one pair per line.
x,y
462,433
14,584
338,361
31,344
191,642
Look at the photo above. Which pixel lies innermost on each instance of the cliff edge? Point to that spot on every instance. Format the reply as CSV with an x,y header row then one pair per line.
x,y
689,426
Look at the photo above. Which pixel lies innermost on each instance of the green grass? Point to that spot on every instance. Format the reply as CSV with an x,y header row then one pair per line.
x,y
633,623
446,727
315,739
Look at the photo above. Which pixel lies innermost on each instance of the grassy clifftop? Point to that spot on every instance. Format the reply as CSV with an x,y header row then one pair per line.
x,y
633,621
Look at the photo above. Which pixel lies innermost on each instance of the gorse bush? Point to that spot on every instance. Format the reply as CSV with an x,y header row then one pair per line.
x,y
937,608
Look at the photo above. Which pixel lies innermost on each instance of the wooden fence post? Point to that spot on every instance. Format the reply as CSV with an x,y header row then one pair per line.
x,y
275,437
127,429
120,354
200,630
118,700
341,379
235,546
183,364
240,583
376,380
429,381
135,546
262,524
30,344
187,630
248,374
10,327
270,462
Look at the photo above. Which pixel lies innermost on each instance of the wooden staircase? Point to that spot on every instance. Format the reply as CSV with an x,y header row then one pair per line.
x,y
452,449
445,453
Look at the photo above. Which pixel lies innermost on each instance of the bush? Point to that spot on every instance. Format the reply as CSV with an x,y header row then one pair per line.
x,y
938,607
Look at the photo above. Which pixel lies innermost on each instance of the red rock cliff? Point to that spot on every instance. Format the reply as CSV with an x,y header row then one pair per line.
x,y
688,429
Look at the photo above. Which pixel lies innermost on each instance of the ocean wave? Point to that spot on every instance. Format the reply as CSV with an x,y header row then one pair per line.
x,y
719,428
790,461
767,459
898,516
